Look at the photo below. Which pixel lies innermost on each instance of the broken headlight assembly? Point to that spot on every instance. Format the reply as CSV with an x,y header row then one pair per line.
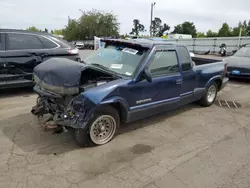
x,y
75,111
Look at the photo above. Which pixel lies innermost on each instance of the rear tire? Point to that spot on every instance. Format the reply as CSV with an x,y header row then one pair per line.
x,y
101,128
210,95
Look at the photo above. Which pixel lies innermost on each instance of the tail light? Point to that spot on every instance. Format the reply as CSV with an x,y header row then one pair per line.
x,y
225,67
73,51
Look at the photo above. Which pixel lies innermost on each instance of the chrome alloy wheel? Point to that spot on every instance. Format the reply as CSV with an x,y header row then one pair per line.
x,y
103,129
211,93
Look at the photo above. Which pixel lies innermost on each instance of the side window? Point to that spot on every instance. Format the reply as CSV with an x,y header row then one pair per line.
x,y
184,58
47,44
164,63
23,41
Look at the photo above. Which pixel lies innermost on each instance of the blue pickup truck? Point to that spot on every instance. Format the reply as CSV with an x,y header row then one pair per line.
x,y
123,81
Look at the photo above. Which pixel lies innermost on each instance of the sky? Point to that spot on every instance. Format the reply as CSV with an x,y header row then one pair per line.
x,y
53,14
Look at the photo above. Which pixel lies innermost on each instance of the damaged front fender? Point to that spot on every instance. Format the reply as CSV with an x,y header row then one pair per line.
x,y
79,112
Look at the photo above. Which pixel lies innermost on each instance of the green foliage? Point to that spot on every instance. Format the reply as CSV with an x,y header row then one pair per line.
x,y
33,28
185,28
72,32
90,24
225,31
210,33
137,27
57,32
158,29
201,35
247,27
236,30
156,25
163,29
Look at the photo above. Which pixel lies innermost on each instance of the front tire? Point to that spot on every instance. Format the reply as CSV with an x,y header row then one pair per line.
x,y
210,95
101,128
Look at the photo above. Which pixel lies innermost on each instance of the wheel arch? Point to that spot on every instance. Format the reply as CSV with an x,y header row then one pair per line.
x,y
217,80
120,105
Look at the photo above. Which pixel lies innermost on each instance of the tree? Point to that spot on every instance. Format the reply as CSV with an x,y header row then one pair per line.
x,y
245,23
210,33
72,31
137,27
178,29
201,35
90,24
97,23
157,28
57,31
163,29
236,30
33,28
248,28
225,31
185,28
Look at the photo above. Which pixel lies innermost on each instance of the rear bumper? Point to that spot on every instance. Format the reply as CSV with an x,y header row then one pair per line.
x,y
224,83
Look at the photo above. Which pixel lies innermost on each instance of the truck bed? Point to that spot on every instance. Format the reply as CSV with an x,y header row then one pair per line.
x,y
202,61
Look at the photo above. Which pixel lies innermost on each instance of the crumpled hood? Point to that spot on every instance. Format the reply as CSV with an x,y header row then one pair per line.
x,y
59,75
241,62
60,72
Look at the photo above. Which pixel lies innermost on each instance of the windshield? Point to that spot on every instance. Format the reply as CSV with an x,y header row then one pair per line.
x,y
243,52
117,58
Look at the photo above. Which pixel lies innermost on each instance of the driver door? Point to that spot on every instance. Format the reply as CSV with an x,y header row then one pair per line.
x,y
163,93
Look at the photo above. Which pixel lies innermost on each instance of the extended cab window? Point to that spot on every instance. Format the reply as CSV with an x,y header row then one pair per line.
x,y
184,58
164,63
23,41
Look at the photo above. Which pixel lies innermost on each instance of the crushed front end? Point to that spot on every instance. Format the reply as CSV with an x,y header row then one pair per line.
x,y
60,85
63,111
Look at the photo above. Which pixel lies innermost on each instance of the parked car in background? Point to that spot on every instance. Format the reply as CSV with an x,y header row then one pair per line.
x,y
79,45
239,63
21,51
123,81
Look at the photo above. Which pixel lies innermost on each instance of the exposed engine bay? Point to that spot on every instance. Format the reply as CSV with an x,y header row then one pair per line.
x,y
60,84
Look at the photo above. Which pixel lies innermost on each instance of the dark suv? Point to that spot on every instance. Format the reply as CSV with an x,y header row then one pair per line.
x,y
21,51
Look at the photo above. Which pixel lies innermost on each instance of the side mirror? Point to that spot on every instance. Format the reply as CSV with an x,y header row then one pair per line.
x,y
147,74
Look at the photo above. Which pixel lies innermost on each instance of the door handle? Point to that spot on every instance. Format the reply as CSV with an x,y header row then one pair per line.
x,y
179,81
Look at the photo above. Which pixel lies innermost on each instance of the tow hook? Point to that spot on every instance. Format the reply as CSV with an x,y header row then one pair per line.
x,y
38,110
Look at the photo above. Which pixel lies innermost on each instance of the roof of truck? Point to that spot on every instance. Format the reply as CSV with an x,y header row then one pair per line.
x,y
142,42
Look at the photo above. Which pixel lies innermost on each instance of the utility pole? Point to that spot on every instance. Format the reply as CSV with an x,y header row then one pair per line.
x,y
151,17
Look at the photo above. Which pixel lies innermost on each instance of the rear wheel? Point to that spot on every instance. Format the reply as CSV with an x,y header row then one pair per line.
x,y
210,95
101,128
